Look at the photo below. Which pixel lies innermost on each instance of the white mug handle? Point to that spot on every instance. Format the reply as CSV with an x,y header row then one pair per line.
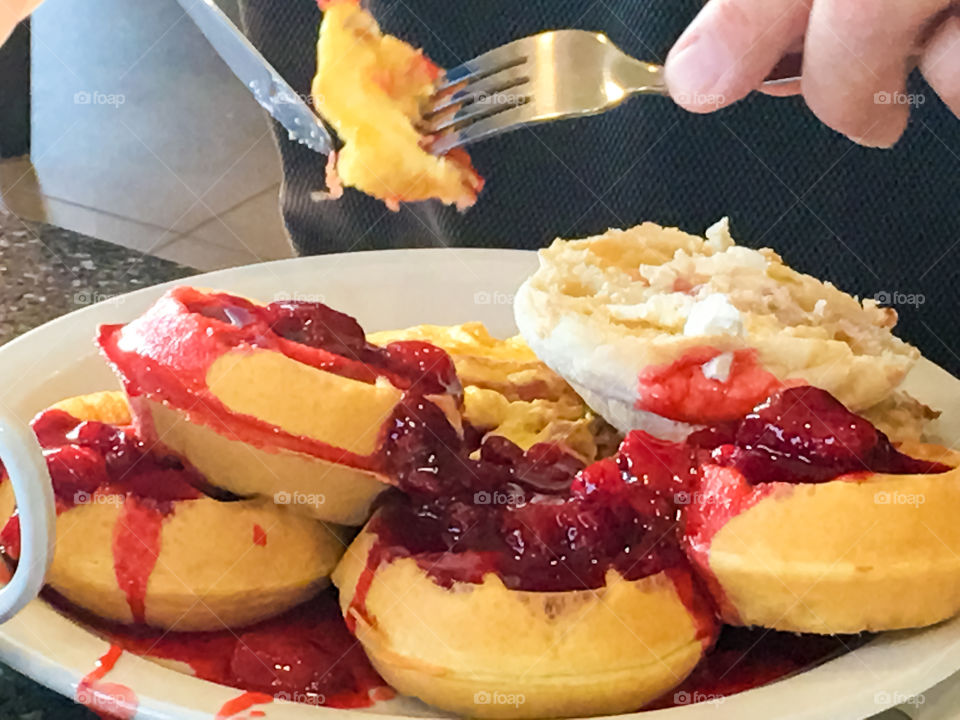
x,y
27,473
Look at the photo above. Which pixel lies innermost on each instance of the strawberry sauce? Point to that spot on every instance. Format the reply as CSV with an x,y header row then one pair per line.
x,y
110,701
306,655
800,435
166,353
680,390
242,703
136,546
805,435
538,519
96,463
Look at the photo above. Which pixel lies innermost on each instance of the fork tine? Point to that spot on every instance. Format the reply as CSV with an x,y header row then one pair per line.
x,y
484,90
457,116
485,127
500,58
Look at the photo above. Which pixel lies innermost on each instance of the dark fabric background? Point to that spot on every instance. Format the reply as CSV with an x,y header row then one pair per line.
x,y
872,221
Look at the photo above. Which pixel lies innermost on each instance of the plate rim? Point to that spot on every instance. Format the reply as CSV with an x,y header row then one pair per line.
x,y
49,671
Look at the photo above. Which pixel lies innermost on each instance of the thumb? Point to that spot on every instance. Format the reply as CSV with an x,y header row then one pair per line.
x,y
729,48
11,13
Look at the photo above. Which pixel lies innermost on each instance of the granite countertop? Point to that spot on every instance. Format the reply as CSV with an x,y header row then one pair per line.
x,y
46,272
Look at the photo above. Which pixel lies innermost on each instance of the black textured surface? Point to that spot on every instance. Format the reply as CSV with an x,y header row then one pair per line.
x,y
46,272
872,221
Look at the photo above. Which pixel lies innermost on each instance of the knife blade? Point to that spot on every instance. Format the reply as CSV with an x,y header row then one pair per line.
x,y
273,93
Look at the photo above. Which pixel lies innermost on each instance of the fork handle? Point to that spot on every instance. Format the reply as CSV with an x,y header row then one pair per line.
x,y
637,77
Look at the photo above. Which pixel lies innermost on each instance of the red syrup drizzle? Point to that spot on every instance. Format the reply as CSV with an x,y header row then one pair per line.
x,y
680,391
305,655
95,462
110,701
243,702
166,353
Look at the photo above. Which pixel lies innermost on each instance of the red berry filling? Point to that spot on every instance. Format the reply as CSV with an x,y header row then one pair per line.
x,y
86,456
315,325
805,435
537,519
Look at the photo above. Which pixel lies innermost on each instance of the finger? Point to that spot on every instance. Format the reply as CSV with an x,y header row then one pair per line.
x,y
729,49
11,13
784,89
784,79
856,60
940,62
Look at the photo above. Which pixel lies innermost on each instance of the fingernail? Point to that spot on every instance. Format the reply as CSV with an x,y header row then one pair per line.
x,y
695,66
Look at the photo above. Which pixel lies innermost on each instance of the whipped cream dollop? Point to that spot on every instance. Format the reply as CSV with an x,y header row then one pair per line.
x,y
714,315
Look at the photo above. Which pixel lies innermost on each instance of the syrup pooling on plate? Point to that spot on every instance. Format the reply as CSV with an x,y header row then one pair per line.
x,y
745,658
805,435
305,655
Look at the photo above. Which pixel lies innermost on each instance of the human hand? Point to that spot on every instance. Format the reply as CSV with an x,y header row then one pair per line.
x,y
11,13
856,58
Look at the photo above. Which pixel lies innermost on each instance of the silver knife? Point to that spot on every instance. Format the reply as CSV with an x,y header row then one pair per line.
x,y
271,91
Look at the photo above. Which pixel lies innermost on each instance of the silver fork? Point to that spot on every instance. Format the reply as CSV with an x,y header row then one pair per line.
x,y
551,76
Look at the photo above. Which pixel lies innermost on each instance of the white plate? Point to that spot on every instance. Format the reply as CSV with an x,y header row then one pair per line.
x,y
388,290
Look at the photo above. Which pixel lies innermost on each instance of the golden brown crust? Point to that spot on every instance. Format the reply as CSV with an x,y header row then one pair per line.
x,y
211,571
880,552
471,648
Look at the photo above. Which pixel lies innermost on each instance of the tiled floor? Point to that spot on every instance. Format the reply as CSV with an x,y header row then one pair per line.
x,y
143,137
